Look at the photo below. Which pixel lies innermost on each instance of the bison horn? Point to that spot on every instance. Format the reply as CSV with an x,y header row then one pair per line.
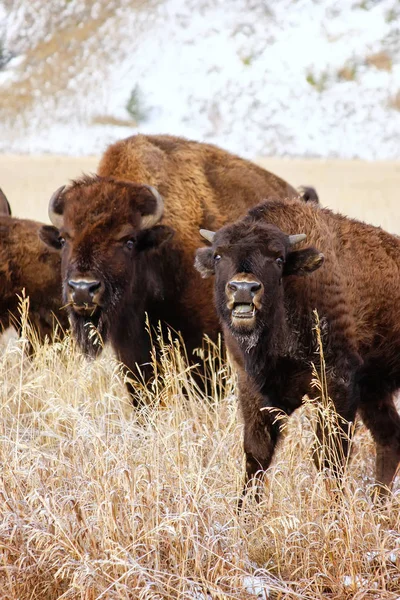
x,y
297,238
55,211
152,219
5,208
207,235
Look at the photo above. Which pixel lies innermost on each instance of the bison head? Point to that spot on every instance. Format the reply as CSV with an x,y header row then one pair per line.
x,y
104,227
249,260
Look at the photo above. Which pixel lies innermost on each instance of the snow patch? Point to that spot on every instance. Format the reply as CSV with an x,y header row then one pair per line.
x,y
257,586
257,79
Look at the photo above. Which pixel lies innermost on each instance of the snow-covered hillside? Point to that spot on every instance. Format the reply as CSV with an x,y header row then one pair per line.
x,y
284,77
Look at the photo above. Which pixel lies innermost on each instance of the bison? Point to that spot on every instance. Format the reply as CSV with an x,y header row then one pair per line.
x,y
27,263
129,235
267,283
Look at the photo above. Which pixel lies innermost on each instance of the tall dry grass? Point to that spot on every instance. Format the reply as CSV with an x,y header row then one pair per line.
x,y
102,501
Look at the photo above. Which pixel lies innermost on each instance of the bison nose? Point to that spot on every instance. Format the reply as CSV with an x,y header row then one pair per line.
x,y
84,291
246,286
244,291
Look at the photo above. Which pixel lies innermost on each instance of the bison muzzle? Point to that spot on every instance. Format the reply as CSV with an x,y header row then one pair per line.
x,y
84,295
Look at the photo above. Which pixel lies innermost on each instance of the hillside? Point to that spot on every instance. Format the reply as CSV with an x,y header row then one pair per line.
x,y
287,78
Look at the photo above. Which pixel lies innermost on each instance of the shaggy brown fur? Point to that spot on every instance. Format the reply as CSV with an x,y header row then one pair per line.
x,y
261,279
202,186
26,262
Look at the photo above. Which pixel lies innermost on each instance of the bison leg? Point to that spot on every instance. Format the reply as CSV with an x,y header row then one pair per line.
x,y
387,461
379,414
261,434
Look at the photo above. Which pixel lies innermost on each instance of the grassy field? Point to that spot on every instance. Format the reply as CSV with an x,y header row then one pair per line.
x,y
101,501
367,191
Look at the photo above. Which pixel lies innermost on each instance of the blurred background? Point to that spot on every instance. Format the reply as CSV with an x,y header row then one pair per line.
x,y
276,79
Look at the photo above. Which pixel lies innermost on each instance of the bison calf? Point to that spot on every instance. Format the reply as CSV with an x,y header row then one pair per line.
x,y
267,283
26,262
129,236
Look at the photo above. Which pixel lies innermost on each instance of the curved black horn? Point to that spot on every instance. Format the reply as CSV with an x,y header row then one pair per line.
x,y
55,210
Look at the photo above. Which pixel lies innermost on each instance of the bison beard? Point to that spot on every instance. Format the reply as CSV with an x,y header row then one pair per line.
x,y
270,332
90,332
121,317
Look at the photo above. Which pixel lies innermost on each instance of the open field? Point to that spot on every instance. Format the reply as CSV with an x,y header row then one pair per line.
x,y
368,191
99,501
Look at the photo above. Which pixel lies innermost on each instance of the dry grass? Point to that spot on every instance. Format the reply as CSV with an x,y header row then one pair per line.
x,y
348,72
99,500
360,189
394,102
70,45
110,120
49,66
380,60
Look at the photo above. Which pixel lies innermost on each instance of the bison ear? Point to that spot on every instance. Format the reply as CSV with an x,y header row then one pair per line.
x,y
204,262
50,236
156,236
150,204
301,262
308,194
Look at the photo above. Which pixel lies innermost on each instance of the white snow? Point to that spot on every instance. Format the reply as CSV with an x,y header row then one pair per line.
x,y
390,557
358,582
236,77
195,593
257,586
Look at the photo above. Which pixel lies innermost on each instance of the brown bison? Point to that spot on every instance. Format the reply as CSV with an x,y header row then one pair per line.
x,y
27,263
129,236
266,287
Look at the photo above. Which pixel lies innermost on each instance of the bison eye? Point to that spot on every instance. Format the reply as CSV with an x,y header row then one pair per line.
x,y
217,257
130,244
61,241
279,261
